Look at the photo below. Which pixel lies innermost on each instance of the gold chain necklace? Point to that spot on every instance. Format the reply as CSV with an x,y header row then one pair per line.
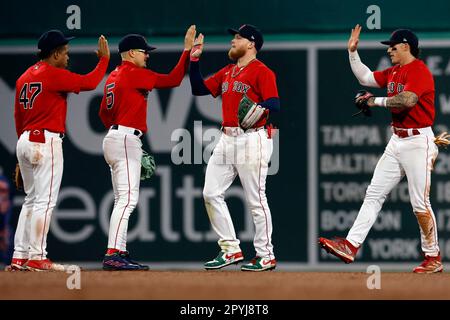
x,y
233,71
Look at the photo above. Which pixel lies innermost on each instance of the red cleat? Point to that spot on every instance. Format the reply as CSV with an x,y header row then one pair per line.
x,y
340,248
17,265
44,265
430,265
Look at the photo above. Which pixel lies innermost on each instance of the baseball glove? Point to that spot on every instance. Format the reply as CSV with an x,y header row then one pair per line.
x,y
441,140
361,103
17,178
248,112
148,165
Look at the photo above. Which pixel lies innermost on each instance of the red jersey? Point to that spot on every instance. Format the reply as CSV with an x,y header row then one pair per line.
x,y
256,80
414,77
41,95
125,95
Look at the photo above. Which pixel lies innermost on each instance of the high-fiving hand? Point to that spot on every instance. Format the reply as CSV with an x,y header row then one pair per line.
x,y
103,48
189,37
197,50
354,38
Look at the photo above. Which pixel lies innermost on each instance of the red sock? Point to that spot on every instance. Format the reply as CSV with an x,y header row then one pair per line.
x,y
112,251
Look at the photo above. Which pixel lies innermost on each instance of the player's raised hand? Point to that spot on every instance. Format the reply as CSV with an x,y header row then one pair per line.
x,y
354,38
189,38
103,48
197,50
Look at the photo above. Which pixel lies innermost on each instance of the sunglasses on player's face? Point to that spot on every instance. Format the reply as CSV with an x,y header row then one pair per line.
x,y
394,46
141,50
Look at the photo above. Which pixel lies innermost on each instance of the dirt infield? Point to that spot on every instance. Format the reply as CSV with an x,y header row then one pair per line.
x,y
222,285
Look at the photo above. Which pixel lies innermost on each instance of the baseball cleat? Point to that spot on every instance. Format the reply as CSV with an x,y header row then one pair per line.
x,y
339,247
430,265
121,261
45,265
260,264
224,259
126,255
17,265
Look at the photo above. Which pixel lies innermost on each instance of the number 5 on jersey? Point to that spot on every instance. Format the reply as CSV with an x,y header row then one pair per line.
x,y
110,95
28,93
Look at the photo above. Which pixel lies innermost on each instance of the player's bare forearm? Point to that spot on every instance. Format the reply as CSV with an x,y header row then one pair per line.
x,y
404,99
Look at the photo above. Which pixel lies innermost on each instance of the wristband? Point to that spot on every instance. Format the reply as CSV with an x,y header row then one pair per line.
x,y
380,101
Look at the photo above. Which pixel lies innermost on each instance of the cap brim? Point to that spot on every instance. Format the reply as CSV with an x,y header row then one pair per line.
x,y
66,40
232,31
388,42
150,48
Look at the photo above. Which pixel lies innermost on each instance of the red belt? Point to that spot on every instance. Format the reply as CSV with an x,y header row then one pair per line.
x,y
404,133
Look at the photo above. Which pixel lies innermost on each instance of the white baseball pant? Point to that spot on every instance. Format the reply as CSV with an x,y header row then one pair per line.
x,y
122,151
41,165
414,157
247,155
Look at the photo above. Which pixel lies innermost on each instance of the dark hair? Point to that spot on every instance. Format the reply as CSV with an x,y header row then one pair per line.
x,y
46,54
415,51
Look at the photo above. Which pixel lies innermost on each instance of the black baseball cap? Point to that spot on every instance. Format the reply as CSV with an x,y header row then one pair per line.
x,y
402,36
251,33
134,41
52,39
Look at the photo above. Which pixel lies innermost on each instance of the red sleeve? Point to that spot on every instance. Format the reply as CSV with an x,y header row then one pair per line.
x,y
65,81
381,77
141,78
91,80
419,81
174,78
214,83
267,84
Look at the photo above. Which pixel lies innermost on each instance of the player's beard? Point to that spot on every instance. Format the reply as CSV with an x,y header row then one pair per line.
x,y
236,53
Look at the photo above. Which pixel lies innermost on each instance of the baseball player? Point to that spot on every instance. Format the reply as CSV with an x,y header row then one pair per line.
x,y
249,76
124,112
411,150
40,114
